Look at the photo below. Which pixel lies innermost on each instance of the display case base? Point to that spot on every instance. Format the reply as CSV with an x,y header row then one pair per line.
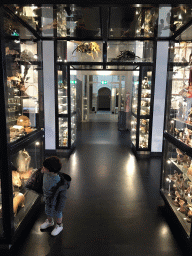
x,y
60,152
156,154
22,230
175,221
140,153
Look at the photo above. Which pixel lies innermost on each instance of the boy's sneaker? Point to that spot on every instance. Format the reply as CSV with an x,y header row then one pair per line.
x,y
47,224
58,228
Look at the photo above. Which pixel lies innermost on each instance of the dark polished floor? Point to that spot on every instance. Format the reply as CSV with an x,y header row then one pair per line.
x,y
113,208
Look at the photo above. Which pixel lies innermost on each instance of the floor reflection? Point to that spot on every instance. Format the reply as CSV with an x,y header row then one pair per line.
x,y
113,201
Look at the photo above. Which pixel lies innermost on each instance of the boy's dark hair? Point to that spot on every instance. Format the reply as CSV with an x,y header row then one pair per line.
x,y
53,164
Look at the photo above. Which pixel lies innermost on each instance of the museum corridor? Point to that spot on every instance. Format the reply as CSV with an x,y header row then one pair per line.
x,y
114,206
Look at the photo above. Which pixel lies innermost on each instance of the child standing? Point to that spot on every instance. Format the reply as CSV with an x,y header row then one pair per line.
x,y
55,185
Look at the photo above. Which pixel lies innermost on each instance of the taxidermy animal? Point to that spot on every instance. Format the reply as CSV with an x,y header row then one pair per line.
x,y
10,52
23,161
89,48
18,200
26,175
125,55
16,179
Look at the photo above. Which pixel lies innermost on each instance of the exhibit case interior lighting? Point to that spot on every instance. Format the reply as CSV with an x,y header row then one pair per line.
x,y
176,178
22,116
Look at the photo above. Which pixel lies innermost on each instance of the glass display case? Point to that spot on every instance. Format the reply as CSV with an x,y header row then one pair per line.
x,y
181,15
62,94
130,51
23,70
133,129
142,92
22,129
176,186
73,84
30,14
176,179
85,112
65,107
133,21
22,89
74,21
63,132
178,118
85,97
23,164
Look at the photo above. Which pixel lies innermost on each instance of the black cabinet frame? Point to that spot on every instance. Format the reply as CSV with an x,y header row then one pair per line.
x,y
10,234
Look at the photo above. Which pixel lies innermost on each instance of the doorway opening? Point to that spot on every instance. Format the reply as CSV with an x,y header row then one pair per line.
x,y
102,95
104,99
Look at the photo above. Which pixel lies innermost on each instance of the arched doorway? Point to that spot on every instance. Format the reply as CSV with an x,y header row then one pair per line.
x,y
104,98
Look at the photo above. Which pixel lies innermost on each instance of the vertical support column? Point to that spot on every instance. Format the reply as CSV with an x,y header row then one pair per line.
x,y
119,99
159,96
128,93
49,80
69,105
88,98
83,95
49,95
160,79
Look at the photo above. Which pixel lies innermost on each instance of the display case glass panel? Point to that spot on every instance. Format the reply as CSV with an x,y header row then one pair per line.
x,y
29,14
23,69
180,52
76,21
130,51
85,113
63,131
14,29
135,89
122,99
133,129
23,164
61,51
179,102
87,51
178,118
73,90
181,15
67,107
39,19
73,83
146,94
144,133
73,129
142,108
132,21
177,184
22,132
85,97
62,93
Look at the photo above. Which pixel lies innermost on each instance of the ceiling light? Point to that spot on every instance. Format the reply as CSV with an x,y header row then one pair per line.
x,y
104,73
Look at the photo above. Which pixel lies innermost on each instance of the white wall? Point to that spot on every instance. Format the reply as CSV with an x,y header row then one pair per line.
x,y
49,95
159,96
